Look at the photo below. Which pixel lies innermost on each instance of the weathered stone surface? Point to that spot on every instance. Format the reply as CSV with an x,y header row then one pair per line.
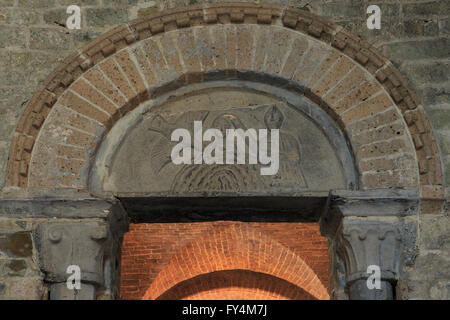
x,y
13,267
36,3
431,266
13,37
105,17
426,73
427,8
410,50
440,117
57,251
17,244
7,3
421,27
61,292
444,26
23,288
440,290
41,38
401,202
56,17
435,232
337,10
432,96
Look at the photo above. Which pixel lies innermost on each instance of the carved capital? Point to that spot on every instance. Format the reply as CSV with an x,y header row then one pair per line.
x,y
366,228
83,244
365,243
90,244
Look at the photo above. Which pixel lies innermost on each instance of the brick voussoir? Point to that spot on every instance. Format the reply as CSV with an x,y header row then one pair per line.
x,y
124,35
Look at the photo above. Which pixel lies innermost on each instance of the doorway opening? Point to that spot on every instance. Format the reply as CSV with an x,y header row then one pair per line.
x,y
256,248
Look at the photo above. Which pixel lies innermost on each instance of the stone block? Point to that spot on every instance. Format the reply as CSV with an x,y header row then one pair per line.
x,y
36,3
440,290
105,17
439,117
12,268
98,80
426,73
81,3
112,70
422,8
370,107
72,101
414,49
420,27
23,288
56,17
339,10
444,26
48,39
89,93
12,225
434,95
430,266
13,37
7,3
446,161
18,244
124,59
435,232
119,2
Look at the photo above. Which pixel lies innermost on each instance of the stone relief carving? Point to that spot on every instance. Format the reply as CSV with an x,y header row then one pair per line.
x,y
143,161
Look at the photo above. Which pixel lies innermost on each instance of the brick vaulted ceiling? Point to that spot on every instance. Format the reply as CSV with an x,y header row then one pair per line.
x,y
224,259
359,88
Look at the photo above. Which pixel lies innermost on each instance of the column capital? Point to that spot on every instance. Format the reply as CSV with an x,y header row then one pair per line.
x,y
91,244
366,228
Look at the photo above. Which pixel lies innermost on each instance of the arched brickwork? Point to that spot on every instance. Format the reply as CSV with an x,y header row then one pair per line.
x,y
234,246
235,285
149,247
57,136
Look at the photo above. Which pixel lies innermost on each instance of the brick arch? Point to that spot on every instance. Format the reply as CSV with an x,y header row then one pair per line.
x,y
232,246
235,285
56,138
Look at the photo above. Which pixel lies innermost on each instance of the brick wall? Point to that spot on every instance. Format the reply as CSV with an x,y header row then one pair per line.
x,y
148,249
236,285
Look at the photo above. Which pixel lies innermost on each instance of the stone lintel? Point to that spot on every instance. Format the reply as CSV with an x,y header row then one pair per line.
x,y
379,202
55,203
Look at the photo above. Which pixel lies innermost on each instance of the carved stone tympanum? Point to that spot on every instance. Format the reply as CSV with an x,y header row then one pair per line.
x,y
140,160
